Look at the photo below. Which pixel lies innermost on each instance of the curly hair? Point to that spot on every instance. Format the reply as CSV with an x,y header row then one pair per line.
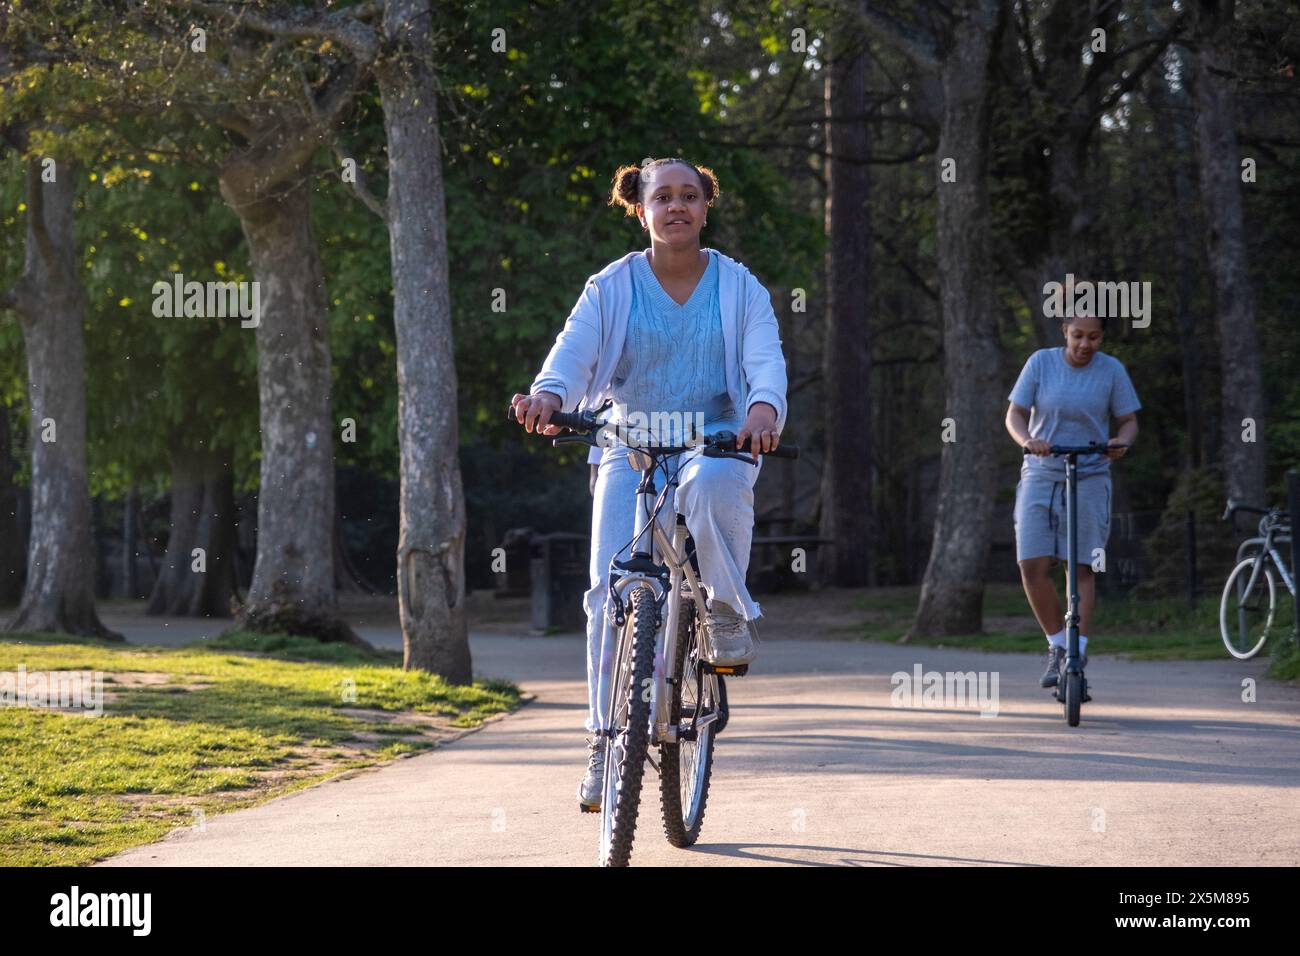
x,y
629,182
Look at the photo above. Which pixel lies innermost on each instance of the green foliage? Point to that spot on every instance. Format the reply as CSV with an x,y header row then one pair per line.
x,y
156,384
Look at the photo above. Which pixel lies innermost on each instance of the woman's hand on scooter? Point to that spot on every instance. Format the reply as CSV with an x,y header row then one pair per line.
x,y
1036,446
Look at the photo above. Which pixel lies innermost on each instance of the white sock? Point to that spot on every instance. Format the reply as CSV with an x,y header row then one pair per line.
x,y
1083,643
1057,639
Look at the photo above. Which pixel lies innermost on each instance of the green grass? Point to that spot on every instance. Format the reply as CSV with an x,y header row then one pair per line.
x,y
232,722
1144,630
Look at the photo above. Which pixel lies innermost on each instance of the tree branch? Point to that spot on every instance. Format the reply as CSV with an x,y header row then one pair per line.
x,y
371,201
918,45
344,27
1126,83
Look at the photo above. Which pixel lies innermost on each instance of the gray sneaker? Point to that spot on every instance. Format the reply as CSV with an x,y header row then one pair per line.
x,y
729,636
1055,658
593,782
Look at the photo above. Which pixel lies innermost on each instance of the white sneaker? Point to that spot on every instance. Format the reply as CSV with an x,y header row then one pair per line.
x,y
593,782
729,636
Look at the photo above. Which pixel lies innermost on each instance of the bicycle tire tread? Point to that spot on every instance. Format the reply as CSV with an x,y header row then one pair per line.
x,y
632,771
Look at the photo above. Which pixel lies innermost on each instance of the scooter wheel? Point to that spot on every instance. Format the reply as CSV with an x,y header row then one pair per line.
x,y
1073,698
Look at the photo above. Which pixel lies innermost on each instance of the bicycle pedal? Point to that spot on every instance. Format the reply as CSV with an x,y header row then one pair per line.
x,y
583,808
730,670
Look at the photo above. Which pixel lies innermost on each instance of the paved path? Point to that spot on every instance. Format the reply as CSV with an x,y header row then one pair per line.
x,y
817,767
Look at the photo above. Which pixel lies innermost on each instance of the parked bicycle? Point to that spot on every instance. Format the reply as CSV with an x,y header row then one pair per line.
x,y
1248,608
664,691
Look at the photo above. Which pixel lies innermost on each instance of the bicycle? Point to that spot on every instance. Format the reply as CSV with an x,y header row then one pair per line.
x,y
654,609
1072,689
1243,593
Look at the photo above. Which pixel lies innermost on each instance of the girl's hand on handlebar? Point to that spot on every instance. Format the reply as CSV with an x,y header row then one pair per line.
x,y
1114,451
535,410
759,429
1036,446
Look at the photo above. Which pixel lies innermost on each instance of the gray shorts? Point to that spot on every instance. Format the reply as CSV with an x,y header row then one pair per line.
x,y
1040,517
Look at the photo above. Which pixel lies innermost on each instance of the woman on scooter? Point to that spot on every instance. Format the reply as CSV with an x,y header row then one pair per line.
x,y
1067,396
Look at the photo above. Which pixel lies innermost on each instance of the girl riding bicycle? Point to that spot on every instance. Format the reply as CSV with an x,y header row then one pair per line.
x,y
1072,392
674,333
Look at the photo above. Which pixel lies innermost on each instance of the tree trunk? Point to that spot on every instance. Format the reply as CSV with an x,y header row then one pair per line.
x,y
130,518
293,579
59,594
846,514
431,546
202,511
952,591
12,568
1171,109
1242,395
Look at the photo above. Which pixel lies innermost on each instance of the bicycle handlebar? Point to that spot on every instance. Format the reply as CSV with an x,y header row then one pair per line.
x,y
1234,506
721,444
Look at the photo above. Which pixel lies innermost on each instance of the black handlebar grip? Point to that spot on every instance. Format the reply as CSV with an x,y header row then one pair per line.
x,y
783,451
571,420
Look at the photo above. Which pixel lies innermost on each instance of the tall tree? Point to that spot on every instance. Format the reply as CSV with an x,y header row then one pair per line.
x,y
293,579
431,549
60,590
846,512
1221,174
264,179
1058,95
431,552
958,43
12,567
1172,111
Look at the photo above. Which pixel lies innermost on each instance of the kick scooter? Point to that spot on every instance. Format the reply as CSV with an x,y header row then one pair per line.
x,y
1072,688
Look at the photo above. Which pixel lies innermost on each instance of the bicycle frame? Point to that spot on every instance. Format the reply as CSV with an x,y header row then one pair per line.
x,y
664,577
1267,549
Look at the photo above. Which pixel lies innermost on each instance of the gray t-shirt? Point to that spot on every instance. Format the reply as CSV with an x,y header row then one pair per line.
x,y
1072,406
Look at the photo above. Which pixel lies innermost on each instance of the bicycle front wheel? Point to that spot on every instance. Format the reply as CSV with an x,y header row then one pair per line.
x,y
1246,610
685,766
626,754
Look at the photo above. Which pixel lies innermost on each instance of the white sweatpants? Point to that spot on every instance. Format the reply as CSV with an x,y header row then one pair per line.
x,y
717,497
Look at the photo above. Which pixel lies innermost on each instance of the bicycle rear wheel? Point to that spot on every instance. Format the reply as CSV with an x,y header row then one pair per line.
x,y
625,755
1246,611
686,765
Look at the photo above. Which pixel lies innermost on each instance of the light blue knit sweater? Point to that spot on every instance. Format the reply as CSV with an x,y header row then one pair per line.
x,y
673,359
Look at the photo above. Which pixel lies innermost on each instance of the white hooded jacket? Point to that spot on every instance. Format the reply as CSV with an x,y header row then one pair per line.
x,y
581,364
